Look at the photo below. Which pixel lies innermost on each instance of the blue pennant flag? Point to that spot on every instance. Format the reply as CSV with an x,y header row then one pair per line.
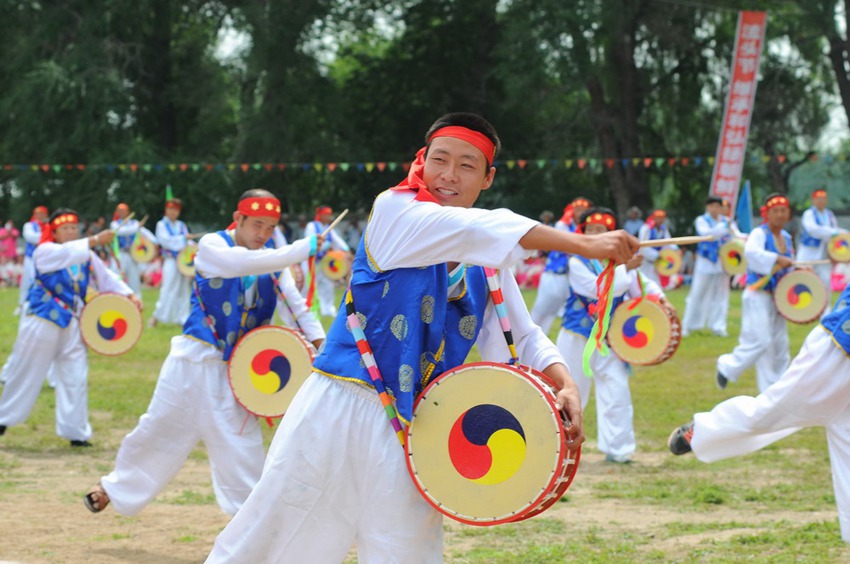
x,y
744,209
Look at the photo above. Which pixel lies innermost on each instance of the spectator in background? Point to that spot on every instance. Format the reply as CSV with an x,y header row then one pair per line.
x,y
9,241
547,217
96,226
302,225
285,228
633,221
353,232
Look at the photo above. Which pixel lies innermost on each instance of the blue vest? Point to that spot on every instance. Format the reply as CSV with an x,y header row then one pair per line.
x,y
415,331
658,233
556,261
328,238
709,249
51,297
224,301
837,322
770,245
181,230
30,248
808,240
125,242
577,318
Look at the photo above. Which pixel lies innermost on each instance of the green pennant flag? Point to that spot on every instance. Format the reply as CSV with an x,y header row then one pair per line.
x,y
344,166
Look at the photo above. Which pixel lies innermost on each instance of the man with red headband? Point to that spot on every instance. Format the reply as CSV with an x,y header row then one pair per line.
x,y
32,235
763,340
237,270
127,230
174,291
614,411
818,226
654,228
50,333
324,286
554,284
335,473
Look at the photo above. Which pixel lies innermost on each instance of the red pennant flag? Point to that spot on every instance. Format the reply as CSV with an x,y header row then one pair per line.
x,y
134,167
45,168
522,163
382,166
405,166
281,166
81,167
781,158
268,166
331,167
208,166
671,161
245,167
7,167
582,163
647,162
685,161
69,167
183,167
609,163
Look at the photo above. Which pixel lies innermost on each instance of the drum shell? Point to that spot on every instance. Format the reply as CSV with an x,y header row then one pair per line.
x,y
800,296
838,247
669,262
186,260
143,250
732,257
334,265
99,317
644,332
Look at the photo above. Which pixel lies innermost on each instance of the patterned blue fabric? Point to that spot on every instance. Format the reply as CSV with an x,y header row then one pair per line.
x,y
770,245
808,240
577,318
837,322
224,302
63,286
709,249
125,242
414,329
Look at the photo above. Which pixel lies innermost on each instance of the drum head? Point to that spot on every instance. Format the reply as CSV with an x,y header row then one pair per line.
x,y
642,335
334,265
267,367
838,247
669,262
800,296
186,260
732,257
143,250
111,324
485,444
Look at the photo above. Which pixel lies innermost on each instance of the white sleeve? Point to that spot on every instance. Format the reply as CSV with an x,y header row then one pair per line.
x,y
759,259
533,347
583,280
720,229
649,285
105,279
31,235
129,227
297,305
216,259
50,257
168,241
338,242
405,233
811,226
649,254
279,237
147,233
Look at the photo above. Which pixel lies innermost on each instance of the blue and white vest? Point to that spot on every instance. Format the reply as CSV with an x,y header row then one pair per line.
x,y
52,295
825,218
317,225
181,230
709,249
414,329
837,322
658,233
30,248
556,261
577,318
223,302
770,245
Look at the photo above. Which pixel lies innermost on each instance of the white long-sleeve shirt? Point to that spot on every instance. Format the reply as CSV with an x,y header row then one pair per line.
x,y
404,233
32,233
167,241
720,229
759,260
583,281
818,231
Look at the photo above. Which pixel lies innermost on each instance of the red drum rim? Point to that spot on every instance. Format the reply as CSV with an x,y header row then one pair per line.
x,y
95,331
641,341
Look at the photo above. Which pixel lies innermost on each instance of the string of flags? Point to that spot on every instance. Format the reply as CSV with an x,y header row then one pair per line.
x,y
381,166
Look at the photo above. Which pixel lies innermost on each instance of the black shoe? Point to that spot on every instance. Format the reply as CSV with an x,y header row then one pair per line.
x,y
680,439
2,430
721,381
76,443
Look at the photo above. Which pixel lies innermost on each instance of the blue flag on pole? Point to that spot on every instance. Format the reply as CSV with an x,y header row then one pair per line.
x,y
744,209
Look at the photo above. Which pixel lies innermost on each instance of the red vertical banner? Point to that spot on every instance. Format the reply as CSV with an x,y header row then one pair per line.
x,y
732,145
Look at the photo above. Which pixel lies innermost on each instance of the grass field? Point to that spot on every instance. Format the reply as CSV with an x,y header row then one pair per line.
x,y
776,505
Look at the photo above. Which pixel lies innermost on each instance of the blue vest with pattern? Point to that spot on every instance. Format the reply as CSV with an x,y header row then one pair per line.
x,y
30,248
709,249
125,242
808,240
577,318
224,302
51,297
181,230
317,225
837,322
770,245
556,261
415,330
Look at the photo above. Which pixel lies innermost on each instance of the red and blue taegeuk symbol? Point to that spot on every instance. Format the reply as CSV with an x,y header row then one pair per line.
x,y
637,331
800,296
270,371
487,444
111,325
841,246
734,257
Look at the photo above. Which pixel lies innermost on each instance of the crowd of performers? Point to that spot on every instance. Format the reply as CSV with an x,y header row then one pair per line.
x,y
417,301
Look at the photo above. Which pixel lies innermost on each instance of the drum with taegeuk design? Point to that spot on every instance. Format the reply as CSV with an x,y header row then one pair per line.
x,y
800,296
644,332
111,324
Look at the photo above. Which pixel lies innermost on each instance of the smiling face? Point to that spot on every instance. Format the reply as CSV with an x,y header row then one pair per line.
x,y
253,232
456,172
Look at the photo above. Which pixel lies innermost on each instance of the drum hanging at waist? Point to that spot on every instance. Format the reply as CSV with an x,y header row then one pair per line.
x,y
335,265
644,332
838,247
111,324
800,296
143,250
669,262
732,257
186,260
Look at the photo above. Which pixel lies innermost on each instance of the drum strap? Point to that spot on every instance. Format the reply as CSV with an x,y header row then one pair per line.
x,y
286,303
501,311
604,305
371,366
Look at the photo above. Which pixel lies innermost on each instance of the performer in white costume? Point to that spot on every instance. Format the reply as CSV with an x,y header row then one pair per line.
x,y
335,474
614,411
235,287
708,299
554,287
126,231
175,289
324,286
32,236
50,332
818,225
763,341
813,392
655,227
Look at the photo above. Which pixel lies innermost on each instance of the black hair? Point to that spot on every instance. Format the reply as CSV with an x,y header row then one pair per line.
x,y
62,211
772,195
599,209
469,121
713,200
256,193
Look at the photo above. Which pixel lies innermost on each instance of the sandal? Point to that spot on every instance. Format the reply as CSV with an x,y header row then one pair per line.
x,y
96,499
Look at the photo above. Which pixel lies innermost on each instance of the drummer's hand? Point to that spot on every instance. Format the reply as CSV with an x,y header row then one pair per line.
x,y
568,400
133,298
666,303
318,343
104,237
634,262
784,262
618,245
320,242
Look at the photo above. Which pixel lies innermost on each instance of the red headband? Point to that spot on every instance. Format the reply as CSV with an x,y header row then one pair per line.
x,y
38,209
581,202
173,204
659,213
259,207
819,193
475,138
321,210
777,201
605,219
61,220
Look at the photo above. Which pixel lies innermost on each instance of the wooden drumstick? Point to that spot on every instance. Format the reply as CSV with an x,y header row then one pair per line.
x,y
677,241
125,220
335,222
143,220
812,262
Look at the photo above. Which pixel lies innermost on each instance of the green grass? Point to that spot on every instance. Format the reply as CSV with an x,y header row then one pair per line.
x,y
757,507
